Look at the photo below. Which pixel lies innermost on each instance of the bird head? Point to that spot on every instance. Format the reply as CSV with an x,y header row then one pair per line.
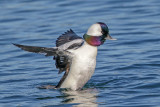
x,y
97,34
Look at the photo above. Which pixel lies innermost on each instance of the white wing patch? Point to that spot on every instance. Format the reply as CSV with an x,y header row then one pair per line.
x,y
72,44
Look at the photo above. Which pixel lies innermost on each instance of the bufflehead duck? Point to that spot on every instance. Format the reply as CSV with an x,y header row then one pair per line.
x,y
74,55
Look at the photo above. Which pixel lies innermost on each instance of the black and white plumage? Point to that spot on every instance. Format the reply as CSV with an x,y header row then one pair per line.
x,y
68,40
73,55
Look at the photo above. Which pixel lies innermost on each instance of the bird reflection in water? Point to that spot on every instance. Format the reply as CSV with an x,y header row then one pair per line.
x,y
82,98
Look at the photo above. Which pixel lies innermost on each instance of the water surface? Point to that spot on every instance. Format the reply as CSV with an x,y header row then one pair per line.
x,y
127,72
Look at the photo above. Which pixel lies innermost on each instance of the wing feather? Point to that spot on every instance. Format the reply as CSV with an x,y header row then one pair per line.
x,y
67,37
44,50
68,40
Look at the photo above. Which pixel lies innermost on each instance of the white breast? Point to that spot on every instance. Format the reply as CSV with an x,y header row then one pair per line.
x,y
82,68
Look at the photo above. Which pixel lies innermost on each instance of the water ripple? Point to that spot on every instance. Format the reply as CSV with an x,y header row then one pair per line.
x,y
127,71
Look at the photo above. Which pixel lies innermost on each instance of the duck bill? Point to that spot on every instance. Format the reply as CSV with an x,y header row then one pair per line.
x,y
110,38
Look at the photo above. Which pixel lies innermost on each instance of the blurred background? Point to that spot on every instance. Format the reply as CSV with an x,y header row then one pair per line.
x,y
127,72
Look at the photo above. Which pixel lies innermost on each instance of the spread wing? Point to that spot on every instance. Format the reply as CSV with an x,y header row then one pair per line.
x,y
44,50
66,41
69,40
62,57
68,36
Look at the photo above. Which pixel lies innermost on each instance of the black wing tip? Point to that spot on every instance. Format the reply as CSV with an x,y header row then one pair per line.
x,y
71,30
18,45
68,31
65,33
15,44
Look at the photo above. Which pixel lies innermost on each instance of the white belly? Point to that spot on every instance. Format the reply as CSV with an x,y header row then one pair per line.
x,y
80,72
82,68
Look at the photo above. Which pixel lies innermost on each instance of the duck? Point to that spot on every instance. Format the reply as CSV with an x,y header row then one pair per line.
x,y
74,55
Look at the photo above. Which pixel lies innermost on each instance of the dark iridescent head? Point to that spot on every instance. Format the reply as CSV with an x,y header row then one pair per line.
x,y
97,34
104,27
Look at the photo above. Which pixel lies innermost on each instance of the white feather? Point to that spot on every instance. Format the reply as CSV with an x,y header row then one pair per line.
x,y
83,61
95,30
66,45
82,68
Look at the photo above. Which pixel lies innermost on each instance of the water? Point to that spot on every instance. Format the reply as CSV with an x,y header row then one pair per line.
x,y
127,72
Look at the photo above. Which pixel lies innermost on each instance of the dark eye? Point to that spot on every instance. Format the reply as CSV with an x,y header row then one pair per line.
x,y
102,32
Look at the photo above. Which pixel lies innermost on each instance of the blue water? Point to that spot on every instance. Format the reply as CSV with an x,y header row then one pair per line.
x,y
127,72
